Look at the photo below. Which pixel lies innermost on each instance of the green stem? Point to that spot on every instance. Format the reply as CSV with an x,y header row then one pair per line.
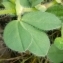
x,y
19,10
29,9
43,7
5,11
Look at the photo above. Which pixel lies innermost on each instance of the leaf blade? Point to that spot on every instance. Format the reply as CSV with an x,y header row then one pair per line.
x,y
39,45
35,2
42,20
55,55
56,9
15,36
59,43
25,3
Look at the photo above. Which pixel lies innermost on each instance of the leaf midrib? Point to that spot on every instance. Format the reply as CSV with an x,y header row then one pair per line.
x,y
20,36
38,45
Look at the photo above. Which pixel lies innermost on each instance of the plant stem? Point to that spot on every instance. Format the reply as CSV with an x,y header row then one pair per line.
x,y
29,9
19,10
43,7
5,11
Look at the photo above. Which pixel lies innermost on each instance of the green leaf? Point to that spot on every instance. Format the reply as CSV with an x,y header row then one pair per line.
x,y
20,37
55,55
35,2
39,46
42,20
8,5
16,36
59,43
25,3
13,1
57,10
